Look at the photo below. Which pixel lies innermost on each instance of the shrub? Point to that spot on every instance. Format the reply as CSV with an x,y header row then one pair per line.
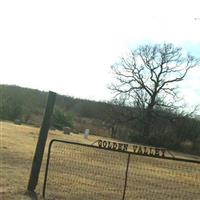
x,y
61,119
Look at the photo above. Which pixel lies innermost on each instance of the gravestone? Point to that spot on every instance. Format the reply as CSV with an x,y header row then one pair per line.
x,y
66,130
86,133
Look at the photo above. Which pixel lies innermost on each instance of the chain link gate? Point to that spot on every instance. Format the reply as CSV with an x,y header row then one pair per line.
x,y
112,171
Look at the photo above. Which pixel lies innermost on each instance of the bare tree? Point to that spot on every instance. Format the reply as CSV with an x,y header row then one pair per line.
x,y
148,75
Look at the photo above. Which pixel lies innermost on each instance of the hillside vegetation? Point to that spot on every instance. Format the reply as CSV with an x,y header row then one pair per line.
x,y
171,130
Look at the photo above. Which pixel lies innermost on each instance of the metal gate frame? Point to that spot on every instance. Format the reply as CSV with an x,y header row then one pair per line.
x,y
109,149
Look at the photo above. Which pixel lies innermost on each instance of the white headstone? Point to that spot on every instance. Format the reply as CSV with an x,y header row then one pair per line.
x,y
86,133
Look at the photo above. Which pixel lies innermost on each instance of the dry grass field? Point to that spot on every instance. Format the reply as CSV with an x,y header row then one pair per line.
x,y
95,174
17,146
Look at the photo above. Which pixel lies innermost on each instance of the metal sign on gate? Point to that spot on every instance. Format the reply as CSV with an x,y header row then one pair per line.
x,y
142,150
112,170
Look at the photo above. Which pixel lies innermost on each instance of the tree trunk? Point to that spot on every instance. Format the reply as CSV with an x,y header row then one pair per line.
x,y
113,131
147,123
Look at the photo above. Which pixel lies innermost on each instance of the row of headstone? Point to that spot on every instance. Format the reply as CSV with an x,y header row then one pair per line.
x,y
67,130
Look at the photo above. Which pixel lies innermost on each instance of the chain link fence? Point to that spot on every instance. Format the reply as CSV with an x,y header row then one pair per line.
x,y
83,172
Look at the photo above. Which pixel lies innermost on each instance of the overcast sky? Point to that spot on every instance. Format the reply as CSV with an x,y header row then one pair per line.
x,y
68,46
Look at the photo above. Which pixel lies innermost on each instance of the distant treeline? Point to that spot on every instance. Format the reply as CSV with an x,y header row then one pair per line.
x,y
170,130
29,104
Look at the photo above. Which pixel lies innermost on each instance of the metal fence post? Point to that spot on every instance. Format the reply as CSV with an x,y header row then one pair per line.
x,y
39,151
126,177
47,168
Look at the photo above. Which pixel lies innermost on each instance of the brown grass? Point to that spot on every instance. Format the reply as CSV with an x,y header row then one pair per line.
x,y
17,146
91,175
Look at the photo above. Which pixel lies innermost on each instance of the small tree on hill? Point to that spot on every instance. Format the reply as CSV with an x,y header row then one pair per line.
x,y
60,119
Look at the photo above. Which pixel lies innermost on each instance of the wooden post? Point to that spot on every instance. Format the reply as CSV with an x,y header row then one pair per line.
x,y
39,151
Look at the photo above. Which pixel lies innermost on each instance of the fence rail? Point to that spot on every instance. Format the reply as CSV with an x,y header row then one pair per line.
x,y
108,170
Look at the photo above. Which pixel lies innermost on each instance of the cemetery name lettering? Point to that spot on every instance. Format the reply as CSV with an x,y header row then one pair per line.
x,y
137,149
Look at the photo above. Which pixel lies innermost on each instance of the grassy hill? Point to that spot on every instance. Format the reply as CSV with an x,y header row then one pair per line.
x,y
169,130
28,106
